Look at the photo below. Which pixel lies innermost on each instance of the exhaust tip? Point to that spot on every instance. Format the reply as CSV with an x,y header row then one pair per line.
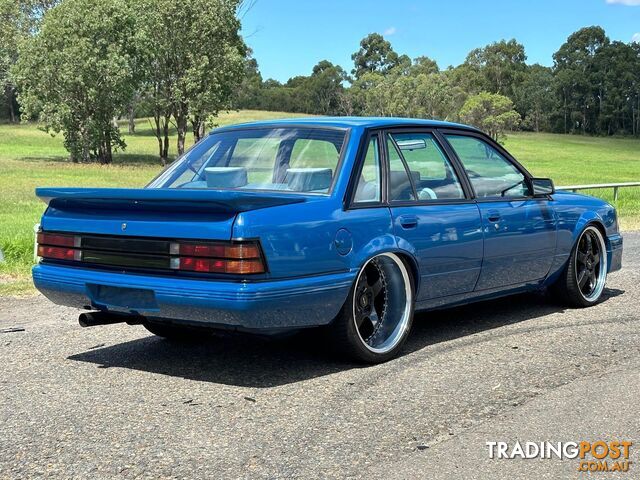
x,y
92,319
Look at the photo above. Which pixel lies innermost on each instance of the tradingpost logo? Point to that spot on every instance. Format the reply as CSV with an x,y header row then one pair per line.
x,y
598,456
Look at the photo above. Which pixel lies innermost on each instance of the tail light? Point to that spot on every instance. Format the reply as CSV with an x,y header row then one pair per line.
x,y
235,258
59,246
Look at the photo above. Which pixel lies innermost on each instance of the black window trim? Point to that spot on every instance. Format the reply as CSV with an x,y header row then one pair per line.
x,y
457,168
501,150
467,189
439,136
352,186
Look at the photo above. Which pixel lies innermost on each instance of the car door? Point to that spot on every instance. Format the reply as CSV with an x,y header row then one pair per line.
x,y
433,214
519,230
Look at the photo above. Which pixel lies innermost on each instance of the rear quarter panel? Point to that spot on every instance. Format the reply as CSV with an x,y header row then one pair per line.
x,y
316,237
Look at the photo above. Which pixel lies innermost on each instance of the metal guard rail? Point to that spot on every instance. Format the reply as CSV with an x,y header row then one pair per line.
x,y
615,186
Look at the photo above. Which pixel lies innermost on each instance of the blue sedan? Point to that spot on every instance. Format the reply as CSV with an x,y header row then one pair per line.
x,y
349,224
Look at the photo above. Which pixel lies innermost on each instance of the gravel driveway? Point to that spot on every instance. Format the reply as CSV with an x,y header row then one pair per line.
x,y
116,401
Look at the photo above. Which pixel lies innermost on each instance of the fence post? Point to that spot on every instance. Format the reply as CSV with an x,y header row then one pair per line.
x,y
615,194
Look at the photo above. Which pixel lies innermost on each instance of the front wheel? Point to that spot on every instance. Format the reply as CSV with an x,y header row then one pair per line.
x,y
582,282
376,318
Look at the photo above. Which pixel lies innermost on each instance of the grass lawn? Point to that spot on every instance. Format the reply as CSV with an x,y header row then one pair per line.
x,y
30,158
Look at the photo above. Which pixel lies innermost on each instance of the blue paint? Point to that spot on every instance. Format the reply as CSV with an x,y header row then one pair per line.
x,y
314,245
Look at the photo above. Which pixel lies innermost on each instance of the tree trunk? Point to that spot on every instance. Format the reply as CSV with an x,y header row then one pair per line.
x,y
161,132
132,118
181,125
198,127
158,134
565,111
10,96
12,112
165,146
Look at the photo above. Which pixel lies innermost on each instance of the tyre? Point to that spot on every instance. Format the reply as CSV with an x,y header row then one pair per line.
x,y
175,332
582,282
377,315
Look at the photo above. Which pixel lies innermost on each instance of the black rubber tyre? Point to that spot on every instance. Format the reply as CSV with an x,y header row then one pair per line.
x,y
393,304
176,332
582,282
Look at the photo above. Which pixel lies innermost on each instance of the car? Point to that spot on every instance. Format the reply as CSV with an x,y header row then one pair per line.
x,y
346,224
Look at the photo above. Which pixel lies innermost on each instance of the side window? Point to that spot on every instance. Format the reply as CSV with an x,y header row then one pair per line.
x,y
490,173
433,175
369,185
400,188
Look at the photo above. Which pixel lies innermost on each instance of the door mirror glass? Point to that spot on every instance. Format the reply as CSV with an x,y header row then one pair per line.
x,y
542,187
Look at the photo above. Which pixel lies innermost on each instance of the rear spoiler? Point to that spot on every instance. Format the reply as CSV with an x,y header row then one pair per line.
x,y
163,199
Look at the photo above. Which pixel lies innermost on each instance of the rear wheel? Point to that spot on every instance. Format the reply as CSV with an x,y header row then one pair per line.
x,y
583,281
376,318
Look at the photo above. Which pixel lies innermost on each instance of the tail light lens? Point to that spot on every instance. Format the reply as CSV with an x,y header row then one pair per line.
x,y
59,246
243,258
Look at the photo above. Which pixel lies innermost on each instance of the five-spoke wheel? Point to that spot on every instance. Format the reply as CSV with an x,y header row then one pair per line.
x,y
582,282
376,318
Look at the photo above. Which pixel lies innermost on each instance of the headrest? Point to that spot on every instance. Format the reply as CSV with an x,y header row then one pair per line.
x,y
399,177
226,177
308,179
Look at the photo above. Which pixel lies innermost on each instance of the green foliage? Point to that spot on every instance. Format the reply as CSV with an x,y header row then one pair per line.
x,y
499,67
19,19
534,98
593,88
490,112
375,55
78,72
195,59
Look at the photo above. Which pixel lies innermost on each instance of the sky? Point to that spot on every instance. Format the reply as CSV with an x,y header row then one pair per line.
x,y
289,37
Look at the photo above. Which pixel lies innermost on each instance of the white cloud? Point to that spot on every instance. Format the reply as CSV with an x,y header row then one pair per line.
x,y
631,3
392,30
636,37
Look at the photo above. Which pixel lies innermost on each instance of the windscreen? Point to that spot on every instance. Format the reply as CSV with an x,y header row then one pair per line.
x,y
293,159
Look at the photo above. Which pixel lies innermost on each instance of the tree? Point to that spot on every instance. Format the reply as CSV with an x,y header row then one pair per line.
x,y
19,19
617,73
325,87
490,112
78,72
575,71
500,65
375,55
195,61
249,91
534,97
423,65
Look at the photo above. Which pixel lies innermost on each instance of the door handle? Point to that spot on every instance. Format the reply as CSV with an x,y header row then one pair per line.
x,y
409,221
493,216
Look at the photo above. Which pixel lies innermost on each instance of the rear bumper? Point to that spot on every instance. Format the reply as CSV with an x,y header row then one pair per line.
x,y
614,252
291,303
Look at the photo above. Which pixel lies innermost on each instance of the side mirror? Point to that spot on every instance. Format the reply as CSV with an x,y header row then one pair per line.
x,y
542,187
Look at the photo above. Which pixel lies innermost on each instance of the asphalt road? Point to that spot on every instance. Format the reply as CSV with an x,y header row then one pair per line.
x,y
117,402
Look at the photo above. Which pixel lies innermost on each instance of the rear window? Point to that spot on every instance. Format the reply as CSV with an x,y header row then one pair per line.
x,y
290,159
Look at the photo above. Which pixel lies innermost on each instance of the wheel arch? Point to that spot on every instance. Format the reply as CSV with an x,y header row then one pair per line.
x,y
407,258
594,221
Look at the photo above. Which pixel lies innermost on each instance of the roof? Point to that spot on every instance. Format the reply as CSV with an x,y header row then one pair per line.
x,y
350,122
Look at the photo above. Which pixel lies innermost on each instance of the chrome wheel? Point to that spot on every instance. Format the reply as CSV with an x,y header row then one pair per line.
x,y
591,264
382,303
